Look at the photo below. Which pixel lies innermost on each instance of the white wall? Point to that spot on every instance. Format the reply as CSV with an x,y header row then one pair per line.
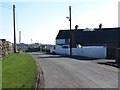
x,y
60,50
90,51
60,41
75,51
87,51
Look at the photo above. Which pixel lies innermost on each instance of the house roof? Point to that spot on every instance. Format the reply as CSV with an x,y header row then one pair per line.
x,y
65,34
109,36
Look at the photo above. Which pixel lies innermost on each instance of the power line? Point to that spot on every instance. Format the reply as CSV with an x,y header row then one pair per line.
x,y
75,17
18,28
7,6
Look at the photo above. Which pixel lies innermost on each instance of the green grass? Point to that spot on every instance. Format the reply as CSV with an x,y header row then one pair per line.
x,y
19,71
0,74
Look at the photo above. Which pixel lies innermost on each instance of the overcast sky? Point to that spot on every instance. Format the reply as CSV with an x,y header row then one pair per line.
x,y
41,20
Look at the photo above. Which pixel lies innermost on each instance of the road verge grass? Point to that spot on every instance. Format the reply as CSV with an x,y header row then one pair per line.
x,y
0,74
19,71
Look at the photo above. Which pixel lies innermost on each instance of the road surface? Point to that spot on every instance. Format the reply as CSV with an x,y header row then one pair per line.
x,y
64,72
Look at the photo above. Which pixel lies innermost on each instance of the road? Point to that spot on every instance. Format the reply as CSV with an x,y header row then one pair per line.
x,y
64,72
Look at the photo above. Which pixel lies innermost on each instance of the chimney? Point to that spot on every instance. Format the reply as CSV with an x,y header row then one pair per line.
x,y
76,27
100,26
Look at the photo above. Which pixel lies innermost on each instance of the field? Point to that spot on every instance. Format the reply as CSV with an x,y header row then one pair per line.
x,y
19,71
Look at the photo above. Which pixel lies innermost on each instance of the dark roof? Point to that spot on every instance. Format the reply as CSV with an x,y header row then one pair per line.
x,y
65,34
116,28
109,36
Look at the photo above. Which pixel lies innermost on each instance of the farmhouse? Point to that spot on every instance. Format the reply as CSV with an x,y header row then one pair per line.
x,y
106,39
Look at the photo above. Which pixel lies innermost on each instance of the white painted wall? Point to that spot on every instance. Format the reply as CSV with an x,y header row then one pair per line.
x,y
93,51
74,51
87,51
60,41
60,50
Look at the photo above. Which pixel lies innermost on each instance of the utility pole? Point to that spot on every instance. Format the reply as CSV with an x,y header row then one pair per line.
x,y
14,28
70,32
19,37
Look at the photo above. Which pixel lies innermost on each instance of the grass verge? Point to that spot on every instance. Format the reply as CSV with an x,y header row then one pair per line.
x,y
19,71
0,74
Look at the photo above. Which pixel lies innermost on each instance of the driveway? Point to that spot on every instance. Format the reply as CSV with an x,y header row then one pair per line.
x,y
64,72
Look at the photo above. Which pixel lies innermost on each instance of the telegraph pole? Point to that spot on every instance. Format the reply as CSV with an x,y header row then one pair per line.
x,y
14,28
70,32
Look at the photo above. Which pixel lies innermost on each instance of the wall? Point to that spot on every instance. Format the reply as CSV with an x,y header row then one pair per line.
x,y
87,51
93,51
6,48
60,50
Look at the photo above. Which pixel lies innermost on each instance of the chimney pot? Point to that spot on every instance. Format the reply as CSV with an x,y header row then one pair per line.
x,y
76,27
100,26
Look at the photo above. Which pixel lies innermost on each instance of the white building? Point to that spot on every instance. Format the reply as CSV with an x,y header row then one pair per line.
x,y
87,42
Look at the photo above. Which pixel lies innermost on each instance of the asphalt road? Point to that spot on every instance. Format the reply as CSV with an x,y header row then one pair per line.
x,y
64,72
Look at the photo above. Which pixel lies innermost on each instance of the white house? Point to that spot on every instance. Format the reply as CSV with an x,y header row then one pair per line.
x,y
87,42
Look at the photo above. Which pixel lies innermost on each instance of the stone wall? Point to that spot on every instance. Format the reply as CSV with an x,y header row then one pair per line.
x,y
6,48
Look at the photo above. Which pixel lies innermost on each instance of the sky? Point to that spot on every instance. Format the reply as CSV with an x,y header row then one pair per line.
x,y
41,20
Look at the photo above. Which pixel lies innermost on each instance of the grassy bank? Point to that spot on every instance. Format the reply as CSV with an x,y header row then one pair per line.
x,y
0,74
19,71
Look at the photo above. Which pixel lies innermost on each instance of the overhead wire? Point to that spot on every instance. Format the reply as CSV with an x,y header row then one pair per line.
x,y
75,17
7,6
18,28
